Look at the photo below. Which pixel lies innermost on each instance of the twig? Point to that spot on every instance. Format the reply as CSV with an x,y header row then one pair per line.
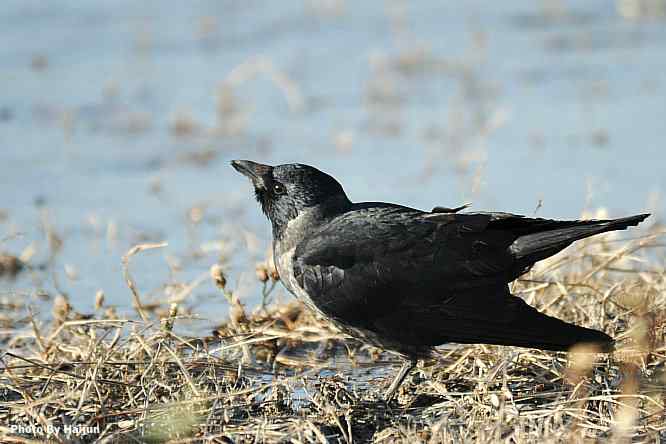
x,y
136,300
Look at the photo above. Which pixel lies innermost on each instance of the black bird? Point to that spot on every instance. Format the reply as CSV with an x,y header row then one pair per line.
x,y
407,280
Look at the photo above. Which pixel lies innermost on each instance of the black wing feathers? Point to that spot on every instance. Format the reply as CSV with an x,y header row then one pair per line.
x,y
430,278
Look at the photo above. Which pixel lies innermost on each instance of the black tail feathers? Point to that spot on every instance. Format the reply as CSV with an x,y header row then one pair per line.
x,y
536,246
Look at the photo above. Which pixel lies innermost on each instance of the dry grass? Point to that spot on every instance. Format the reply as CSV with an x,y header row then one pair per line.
x,y
280,374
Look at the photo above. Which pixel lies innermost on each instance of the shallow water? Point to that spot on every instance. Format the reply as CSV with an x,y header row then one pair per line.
x,y
502,104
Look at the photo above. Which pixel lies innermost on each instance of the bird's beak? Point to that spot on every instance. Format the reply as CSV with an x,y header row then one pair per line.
x,y
253,171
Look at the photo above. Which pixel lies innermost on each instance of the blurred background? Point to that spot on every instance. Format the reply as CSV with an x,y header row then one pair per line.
x,y
118,120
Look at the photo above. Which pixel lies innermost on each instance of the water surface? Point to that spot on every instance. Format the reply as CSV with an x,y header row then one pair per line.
x,y
117,118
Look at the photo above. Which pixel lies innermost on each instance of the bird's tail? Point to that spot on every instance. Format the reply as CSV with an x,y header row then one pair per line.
x,y
549,239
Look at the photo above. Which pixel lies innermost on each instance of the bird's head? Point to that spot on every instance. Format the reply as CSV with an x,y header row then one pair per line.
x,y
286,191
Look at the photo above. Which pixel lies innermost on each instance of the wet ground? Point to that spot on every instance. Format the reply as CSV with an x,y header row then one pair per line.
x,y
118,119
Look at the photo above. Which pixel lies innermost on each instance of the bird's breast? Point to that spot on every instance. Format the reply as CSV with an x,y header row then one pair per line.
x,y
284,261
284,248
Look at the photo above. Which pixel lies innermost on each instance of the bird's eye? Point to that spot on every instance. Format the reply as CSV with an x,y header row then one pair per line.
x,y
278,188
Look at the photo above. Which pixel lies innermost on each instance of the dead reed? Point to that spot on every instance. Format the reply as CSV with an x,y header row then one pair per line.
x,y
279,374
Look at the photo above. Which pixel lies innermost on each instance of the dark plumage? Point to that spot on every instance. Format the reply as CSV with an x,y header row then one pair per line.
x,y
407,280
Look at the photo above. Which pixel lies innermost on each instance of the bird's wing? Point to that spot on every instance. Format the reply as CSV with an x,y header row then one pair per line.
x,y
366,266
429,278
438,250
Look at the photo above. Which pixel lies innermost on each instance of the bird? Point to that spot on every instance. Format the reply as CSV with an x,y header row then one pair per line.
x,y
407,280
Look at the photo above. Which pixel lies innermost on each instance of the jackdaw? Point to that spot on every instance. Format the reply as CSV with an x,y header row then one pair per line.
x,y
407,280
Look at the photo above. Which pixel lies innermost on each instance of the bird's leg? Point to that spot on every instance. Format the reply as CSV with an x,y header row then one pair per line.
x,y
407,366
